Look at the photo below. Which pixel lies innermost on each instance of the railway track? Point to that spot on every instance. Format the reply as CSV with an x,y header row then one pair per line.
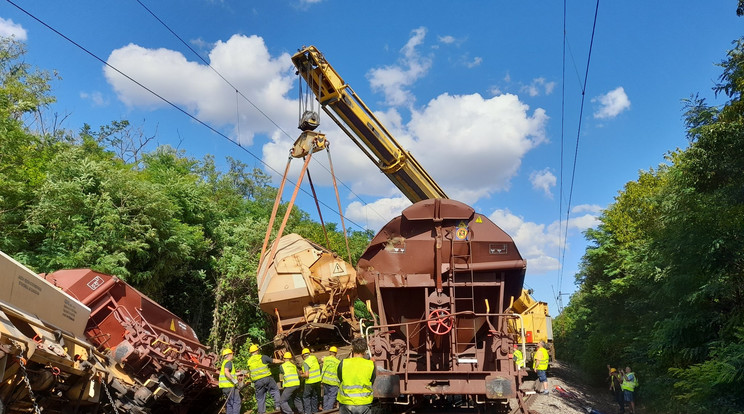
x,y
528,401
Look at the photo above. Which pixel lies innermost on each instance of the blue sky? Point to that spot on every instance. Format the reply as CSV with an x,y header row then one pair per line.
x,y
474,89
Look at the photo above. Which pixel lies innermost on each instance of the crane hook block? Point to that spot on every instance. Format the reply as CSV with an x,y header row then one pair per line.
x,y
307,143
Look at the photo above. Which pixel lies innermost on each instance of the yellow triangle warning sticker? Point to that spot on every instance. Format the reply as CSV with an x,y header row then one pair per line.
x,y
479,219
337,269
173,325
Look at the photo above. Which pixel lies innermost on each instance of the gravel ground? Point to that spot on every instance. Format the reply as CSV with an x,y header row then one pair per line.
x,y
577,398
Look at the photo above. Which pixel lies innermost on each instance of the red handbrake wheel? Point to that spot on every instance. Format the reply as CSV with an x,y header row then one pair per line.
x,y
443,323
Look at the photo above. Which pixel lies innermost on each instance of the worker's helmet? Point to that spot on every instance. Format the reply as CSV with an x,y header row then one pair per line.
x,y
253,348
226,351
287,355
333,349
305,351
612,370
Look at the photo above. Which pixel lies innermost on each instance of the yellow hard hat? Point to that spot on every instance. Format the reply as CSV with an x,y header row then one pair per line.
x,y
305,351
226,351
612,370
287,355
333,349
253,348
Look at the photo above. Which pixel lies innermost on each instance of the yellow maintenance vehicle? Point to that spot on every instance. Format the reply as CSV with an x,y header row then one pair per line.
x,y
535,324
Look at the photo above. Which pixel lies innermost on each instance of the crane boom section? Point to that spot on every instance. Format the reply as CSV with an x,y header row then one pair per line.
x,y
363,127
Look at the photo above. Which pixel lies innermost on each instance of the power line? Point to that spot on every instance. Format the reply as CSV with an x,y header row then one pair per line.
x,y
576,151
237,91
563,117
166,101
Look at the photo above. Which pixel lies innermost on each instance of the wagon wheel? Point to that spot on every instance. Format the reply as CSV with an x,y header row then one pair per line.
x,y
443,323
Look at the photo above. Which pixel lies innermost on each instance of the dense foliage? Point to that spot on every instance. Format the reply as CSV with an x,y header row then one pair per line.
x,y
661,288
176,228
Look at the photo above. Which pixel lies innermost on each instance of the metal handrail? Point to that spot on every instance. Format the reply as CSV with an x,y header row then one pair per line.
x,y
366,331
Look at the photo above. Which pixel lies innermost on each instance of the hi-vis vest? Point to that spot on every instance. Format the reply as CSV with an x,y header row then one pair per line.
x,y
224,382
314,370
356,383
291,378
330,371
257,368
629,382
542,355
520,359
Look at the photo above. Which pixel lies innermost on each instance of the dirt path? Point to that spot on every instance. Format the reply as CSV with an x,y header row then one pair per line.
x,y
577,397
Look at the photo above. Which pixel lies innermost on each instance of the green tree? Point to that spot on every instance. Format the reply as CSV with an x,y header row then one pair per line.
x,y
661,286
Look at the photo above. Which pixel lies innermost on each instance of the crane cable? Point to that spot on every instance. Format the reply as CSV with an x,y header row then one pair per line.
x,y
309,119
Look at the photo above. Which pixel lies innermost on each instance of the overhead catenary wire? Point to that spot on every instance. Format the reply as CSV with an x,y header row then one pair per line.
x,y
576,150
563,119
367,205
178,108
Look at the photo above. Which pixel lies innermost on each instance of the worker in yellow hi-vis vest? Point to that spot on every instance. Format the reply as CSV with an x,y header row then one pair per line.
x,y
356,374
263,382
291,386
329,379
629,384
518,357
540,365
228,383
311,373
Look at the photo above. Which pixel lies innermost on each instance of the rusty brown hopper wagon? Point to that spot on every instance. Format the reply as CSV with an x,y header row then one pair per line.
x,y
157,360
439,278
305,286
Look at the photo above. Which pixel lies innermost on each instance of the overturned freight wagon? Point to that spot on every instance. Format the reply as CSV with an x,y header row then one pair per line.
x,y
156,361
310,293
45,361
439,277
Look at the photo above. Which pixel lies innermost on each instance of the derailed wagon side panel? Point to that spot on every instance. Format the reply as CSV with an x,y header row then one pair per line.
x,y
157,360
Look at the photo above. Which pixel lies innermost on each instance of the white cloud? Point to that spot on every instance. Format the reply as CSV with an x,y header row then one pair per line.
x,y
538,86
591,208
375,215
10,29
393,80
201,44
245,61
95,97
475,62
584,222
447,40
543,180
471,145
307,3
612,103
539,243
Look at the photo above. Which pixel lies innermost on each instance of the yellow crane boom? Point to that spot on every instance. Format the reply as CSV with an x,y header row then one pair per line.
x,y
362,126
